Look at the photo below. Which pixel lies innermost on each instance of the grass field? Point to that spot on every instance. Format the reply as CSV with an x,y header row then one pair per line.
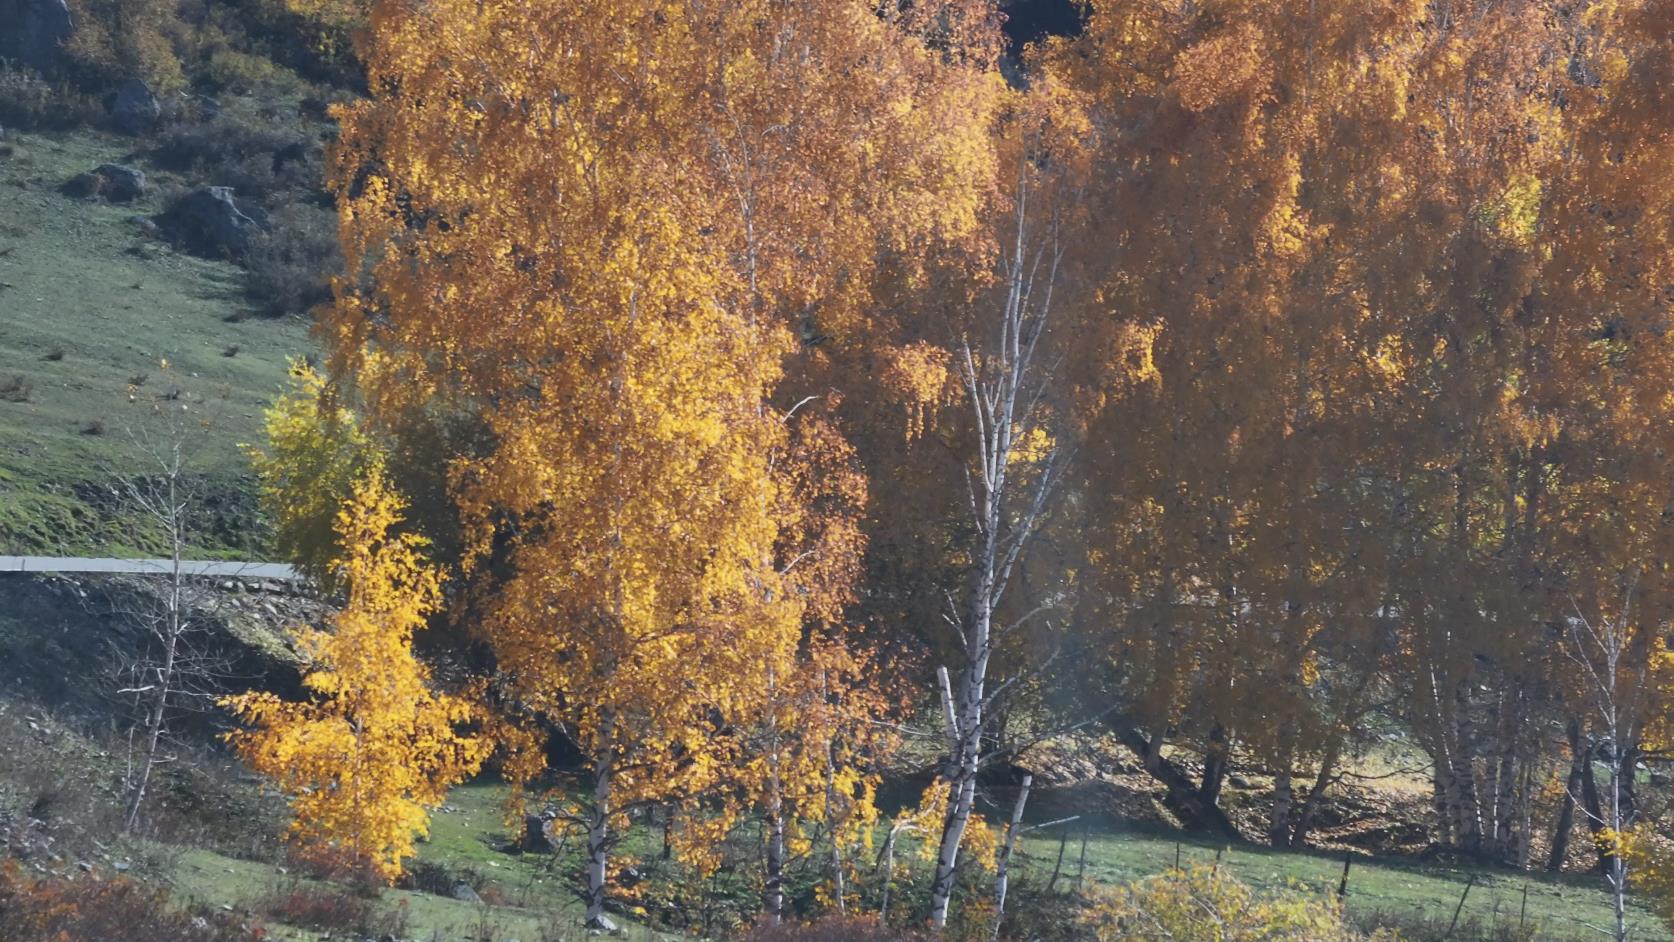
x,y
1557,908
533,894
527,899
89,309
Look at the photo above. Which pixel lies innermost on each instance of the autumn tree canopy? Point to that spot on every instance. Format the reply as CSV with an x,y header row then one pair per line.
x,y
1353,398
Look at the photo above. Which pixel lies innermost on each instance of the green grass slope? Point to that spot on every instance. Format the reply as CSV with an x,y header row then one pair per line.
x,y
89,305
1394,890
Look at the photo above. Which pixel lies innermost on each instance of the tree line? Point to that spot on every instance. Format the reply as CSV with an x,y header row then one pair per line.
x,y
1228,377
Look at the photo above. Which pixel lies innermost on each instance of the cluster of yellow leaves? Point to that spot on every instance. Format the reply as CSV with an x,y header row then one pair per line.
x,y
1650,866
375,748
315,452
1204,904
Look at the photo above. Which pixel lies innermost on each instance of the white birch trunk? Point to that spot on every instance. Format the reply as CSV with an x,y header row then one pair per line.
x,y
598,843
1002,866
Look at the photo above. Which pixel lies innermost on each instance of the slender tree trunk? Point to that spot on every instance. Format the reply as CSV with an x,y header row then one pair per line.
x,y
173,625
1566,805
1439,801
839,888
1214,765
1506,775
889,875
1002,866
1627,767
961,783
1322,782
598,843
1466,802
1279,827
1594,810
773,897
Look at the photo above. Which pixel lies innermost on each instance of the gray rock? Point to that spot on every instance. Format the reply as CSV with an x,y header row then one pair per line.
x,y
32,32
134,109
210,222
118,183
464,893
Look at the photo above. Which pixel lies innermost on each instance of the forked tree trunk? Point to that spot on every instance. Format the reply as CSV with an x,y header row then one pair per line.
x,y
1005,389
962,782
1183,796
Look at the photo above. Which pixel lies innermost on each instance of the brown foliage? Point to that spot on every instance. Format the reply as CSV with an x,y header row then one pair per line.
x,y
59,910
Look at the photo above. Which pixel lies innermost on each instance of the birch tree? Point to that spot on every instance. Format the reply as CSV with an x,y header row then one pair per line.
x,y
1018,451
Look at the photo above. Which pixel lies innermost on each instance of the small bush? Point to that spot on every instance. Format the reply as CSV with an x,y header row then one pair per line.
x,y
29,101
290,269
834,929
241,72
313,907
52,910
15,388
231,151
1206,905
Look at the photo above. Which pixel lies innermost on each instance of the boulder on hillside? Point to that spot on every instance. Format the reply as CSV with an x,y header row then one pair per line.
x,y
32,32
209,222
114,182
119,183
134,108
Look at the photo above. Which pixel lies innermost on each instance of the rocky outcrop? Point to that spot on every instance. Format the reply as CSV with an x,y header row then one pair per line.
x,y
134,108
114,182
209,222
32,32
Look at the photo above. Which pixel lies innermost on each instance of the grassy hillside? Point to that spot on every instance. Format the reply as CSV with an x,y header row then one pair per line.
x,y
90,306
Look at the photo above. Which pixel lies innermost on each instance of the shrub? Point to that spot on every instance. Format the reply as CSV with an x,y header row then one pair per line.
x,y
241,72
834,929
52,910
254,160
314,907
1206,905
290,268
120,39
15,388
29,101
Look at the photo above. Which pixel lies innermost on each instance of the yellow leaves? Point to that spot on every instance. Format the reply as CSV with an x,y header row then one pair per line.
x,y
375,749
920,377
1284,232
315,450
1650,864
1516,214
1204,904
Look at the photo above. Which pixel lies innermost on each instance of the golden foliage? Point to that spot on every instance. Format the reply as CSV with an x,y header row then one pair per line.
x,y
375,748
316,452
1203,904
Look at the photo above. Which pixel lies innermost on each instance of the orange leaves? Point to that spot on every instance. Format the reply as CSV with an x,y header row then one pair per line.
x,y
1224,66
